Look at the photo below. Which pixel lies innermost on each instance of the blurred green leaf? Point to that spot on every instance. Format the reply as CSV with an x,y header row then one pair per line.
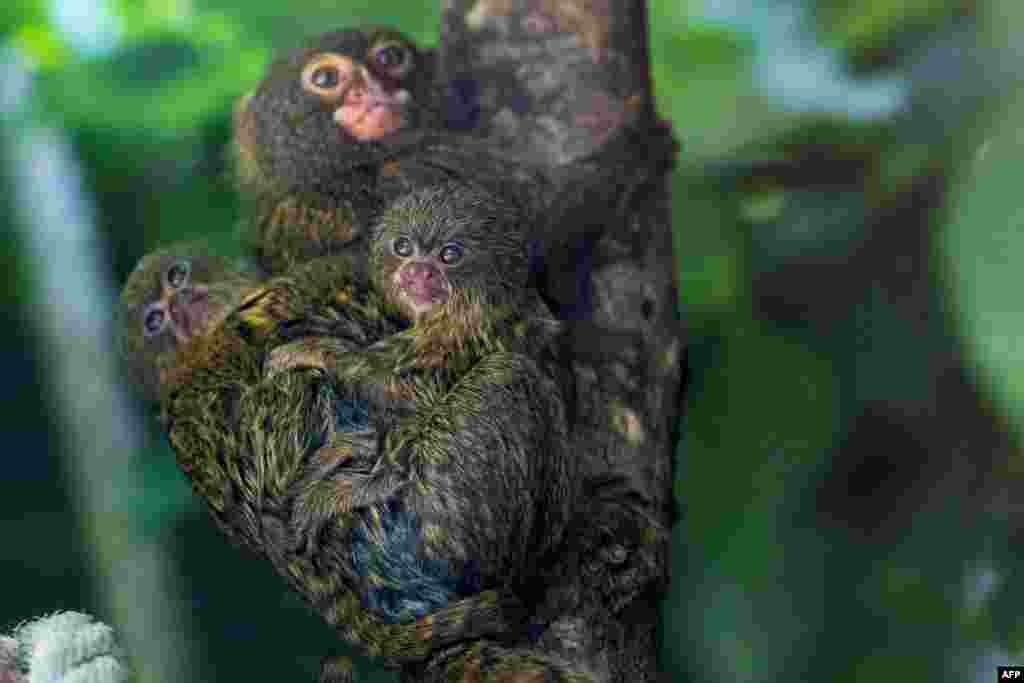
x,y
984,249
860,24
42,44
15,14
760,419
283,25
142,17
784,396
707,250
164,83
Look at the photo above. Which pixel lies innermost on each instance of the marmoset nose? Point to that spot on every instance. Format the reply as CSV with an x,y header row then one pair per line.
x,y
421,271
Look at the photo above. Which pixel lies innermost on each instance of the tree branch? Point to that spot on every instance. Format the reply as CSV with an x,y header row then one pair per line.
x,y
564,84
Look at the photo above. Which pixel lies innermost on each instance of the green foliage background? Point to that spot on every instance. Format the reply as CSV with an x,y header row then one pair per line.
x,y
818,538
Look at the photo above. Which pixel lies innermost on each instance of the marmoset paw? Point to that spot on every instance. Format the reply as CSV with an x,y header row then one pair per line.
x,y
311,352
297,354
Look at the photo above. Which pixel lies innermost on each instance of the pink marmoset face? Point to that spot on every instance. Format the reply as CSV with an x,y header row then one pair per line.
x,y
452,258
173,297
367,99
183,308
345,100
420,276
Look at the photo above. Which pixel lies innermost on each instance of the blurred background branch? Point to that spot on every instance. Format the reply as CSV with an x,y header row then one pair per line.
x,y
69,295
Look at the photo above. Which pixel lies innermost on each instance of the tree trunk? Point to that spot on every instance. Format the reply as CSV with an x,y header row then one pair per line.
x,y
563,84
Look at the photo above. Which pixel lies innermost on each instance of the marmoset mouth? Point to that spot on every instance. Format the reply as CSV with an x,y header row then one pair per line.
x,y
428,296
372,115
420,301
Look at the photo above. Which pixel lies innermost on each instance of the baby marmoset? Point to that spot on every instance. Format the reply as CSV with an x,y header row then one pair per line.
x,y
359,532
172,297
186,313
179,296
488,422
480,378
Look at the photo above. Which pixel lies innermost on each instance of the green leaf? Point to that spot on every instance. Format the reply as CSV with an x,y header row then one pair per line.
x,y
984,250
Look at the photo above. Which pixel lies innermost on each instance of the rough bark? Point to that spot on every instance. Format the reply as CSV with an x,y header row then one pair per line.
x,y
565,84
